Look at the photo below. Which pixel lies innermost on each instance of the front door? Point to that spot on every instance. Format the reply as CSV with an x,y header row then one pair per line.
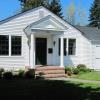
x,y
41,51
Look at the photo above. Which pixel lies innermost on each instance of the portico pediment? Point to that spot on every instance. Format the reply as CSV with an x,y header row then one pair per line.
x,y
47,23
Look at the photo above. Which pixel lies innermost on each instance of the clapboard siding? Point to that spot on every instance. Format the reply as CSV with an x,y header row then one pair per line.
x,y
83,50
15,26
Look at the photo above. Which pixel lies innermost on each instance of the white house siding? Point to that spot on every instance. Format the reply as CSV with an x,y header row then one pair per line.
x,y
83,50
87,52
83,47
96,54
15,27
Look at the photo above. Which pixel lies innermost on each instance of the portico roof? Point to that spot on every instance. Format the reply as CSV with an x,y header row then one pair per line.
x,y
48,23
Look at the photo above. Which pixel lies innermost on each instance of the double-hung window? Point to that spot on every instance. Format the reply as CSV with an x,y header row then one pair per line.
x,y
13,47
64,46
69,49
71,46
4,45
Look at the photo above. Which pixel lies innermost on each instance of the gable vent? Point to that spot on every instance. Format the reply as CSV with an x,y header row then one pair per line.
x,y
41,14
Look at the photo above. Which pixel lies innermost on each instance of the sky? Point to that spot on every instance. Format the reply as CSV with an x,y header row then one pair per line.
x,y
11,7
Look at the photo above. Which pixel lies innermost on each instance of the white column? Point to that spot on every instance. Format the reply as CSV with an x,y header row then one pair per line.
x,y
61,53
32,51
9,45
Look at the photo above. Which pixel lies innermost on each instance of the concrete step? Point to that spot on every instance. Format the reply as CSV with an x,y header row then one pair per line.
x,y
54,75
48,68
50,72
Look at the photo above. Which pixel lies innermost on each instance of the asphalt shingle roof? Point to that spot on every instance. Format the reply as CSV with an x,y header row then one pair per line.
x,y
91,33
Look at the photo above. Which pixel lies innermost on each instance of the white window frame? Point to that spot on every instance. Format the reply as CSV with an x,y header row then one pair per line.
x,y
21,47
8,41
68,46
9,55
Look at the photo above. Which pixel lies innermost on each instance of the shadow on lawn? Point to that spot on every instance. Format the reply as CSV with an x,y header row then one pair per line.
x,y
45,90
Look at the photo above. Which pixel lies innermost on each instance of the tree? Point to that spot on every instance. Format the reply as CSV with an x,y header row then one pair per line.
x,y
71,13
29,4
81,13
95,14
55,7
52,5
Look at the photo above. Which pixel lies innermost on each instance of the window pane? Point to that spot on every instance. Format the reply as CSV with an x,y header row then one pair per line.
x,y
4,45
65,42
16,45
72,46
64,46
59,46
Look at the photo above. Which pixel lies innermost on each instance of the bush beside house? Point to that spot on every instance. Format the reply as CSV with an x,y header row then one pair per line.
x,y
20,74
81,68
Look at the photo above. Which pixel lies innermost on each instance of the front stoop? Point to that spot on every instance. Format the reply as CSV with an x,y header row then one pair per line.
x,y
50,72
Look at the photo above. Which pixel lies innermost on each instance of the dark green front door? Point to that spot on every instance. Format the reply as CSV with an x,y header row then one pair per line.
x,y
41,51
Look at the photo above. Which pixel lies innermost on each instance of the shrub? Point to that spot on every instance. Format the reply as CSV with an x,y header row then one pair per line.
x,y
76,71
7,75
69,73
89,70
81,66
40,76
30,74
68,69
21,73
1,72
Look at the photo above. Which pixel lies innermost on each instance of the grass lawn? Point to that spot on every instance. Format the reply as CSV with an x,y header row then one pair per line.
x,y
90,76
48,90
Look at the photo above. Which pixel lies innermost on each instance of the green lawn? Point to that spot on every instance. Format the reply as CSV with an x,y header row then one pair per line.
x,y
48,90
89,76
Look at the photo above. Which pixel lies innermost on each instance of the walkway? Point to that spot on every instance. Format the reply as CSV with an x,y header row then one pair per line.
x,y
77,80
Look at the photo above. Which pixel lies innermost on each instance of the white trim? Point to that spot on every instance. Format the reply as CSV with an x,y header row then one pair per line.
x,y
9,54
9,45
58,26
68,47
32,52
61,53
48,29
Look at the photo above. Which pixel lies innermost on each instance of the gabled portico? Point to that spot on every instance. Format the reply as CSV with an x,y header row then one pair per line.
x,y
43,28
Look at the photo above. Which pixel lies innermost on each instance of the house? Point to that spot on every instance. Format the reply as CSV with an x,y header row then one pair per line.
x,y
39,37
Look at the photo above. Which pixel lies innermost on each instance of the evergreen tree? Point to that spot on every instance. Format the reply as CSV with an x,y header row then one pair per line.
x,y
55,7
52,5
29,4
95,14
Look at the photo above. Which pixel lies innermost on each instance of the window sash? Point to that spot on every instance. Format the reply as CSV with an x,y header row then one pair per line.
x,y
4,45
71,46
64,46
16,45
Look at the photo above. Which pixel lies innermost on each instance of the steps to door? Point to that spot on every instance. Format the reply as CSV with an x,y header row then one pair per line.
x,y
50,72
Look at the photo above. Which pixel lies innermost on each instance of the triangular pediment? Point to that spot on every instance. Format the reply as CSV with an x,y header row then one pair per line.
x,y
48,23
